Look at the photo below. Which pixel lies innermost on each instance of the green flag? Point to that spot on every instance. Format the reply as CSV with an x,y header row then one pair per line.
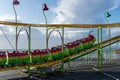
x,y
108,14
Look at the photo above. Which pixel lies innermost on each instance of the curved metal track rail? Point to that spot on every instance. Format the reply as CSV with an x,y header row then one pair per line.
x,y
113,25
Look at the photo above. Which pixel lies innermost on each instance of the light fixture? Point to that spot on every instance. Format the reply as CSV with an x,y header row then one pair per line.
x,y
45,8
16,2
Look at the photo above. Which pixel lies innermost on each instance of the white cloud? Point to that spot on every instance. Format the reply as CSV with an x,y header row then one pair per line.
x,y
42,30
115,31
82,11
8,30
9,18
76,33
67,11
6,17
36,36
116,4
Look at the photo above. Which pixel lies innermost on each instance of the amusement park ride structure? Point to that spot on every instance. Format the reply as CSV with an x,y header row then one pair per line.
x,y
100,44
98,47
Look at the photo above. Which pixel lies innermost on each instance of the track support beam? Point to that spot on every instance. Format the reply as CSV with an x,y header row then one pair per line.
x,y
100,51
29,48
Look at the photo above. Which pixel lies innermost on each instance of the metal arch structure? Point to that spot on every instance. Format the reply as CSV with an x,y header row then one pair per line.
x,y
62,42
29,46
18,36
51,33
74,56
113,25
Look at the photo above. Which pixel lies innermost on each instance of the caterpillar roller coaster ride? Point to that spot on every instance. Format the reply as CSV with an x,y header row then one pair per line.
x,y
57,54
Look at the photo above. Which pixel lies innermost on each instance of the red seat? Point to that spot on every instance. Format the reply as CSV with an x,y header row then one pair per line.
x,y
75,43
37,52
91,37
1,56
45,51
70,45
33,54
83,40
54,49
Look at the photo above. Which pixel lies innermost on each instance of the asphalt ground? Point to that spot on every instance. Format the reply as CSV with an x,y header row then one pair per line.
x,y
82,72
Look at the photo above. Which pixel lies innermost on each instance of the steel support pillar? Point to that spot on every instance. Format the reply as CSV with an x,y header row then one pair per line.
x,y
69,64
100,53
62,49
87,58
110,60
29,47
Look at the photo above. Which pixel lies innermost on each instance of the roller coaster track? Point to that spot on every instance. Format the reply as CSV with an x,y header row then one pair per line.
x,y
87,51
13,24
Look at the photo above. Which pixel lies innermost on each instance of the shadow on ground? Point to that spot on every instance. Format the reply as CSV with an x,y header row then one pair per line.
x,y
78,75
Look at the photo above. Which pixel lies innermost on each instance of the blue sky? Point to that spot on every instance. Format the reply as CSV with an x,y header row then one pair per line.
x,y
60,11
